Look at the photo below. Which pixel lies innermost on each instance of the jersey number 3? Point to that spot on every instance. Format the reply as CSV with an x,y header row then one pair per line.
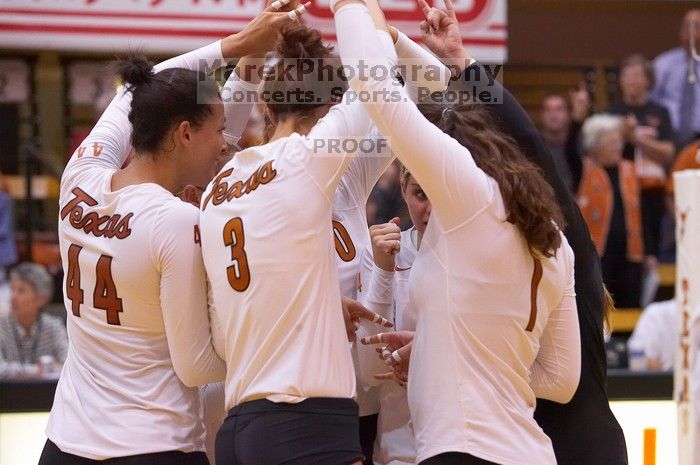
x,y
238,273
105,295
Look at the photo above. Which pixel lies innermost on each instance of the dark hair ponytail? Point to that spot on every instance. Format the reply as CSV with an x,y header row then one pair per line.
x,y
163,100
528,198
307,75
134,70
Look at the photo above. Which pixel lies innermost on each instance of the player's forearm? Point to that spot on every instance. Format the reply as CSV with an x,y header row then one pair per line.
x,y
557,369
419,65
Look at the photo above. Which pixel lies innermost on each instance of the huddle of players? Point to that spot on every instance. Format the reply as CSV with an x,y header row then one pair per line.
x,y
490,295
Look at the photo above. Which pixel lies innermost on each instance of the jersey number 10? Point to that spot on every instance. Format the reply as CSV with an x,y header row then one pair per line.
x,y
104,296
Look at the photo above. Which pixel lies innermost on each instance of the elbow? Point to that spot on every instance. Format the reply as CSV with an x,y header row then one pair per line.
x,y
567,391
193,375
189,377
567,387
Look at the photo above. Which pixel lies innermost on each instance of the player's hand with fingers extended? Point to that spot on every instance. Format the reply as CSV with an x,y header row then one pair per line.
x,y
262,33
354,311
440,31
396,351
386,243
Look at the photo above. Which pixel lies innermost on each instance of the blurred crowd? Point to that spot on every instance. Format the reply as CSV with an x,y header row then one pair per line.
x,y
617,161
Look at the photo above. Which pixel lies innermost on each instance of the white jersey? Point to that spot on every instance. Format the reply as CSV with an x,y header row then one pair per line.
x,y
269,254
135,294
351,235
656,333
350,226
386,293
486,344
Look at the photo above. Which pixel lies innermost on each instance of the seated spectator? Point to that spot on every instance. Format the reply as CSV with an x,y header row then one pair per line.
x,y
8,248
27,334
560,125
656,335
608,196
648,142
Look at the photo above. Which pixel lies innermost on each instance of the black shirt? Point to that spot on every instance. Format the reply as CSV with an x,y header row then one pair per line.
x,y
650,114
584,431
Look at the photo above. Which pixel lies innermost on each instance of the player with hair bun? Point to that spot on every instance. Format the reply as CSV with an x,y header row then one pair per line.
x,y
135,286
299,44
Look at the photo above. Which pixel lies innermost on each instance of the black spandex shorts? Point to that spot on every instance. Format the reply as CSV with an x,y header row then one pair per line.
x,y
316,431
456,458
52,455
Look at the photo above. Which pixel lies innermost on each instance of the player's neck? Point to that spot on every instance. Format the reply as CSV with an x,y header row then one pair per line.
x,y
143,169
288,127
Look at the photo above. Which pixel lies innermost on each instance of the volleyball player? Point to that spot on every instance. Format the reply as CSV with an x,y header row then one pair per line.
x,y
135,287
492,283
349,221
268,250
350,226
583,431
385,273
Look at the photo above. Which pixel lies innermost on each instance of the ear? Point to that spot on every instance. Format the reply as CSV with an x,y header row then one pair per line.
x,y
183,133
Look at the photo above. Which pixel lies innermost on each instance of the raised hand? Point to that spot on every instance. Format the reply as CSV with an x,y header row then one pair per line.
x,y
262,33
354,311
386,243
441,34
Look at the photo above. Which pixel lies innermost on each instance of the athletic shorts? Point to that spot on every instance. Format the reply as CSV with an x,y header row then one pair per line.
x,y
455,458
316,431
52,455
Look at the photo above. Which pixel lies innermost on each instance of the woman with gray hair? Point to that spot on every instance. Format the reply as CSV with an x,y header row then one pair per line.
x,y
26,334
609,199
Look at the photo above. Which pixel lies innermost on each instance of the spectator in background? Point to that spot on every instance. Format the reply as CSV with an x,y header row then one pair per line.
x,y
648,142
687,159
608,196
387,200
656,337
674,87
8,247
560,125
27,334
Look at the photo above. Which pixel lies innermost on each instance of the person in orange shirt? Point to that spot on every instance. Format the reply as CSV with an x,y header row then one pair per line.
x,y
688,159
609,199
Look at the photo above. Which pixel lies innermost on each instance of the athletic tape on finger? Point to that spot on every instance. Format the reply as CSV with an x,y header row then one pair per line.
x,y
296,13
277,4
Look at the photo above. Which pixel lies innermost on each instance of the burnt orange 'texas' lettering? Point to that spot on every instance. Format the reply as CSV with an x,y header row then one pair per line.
x,y
221,191
99,226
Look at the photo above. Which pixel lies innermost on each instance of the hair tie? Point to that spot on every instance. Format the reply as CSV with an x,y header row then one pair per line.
x,y
447,115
